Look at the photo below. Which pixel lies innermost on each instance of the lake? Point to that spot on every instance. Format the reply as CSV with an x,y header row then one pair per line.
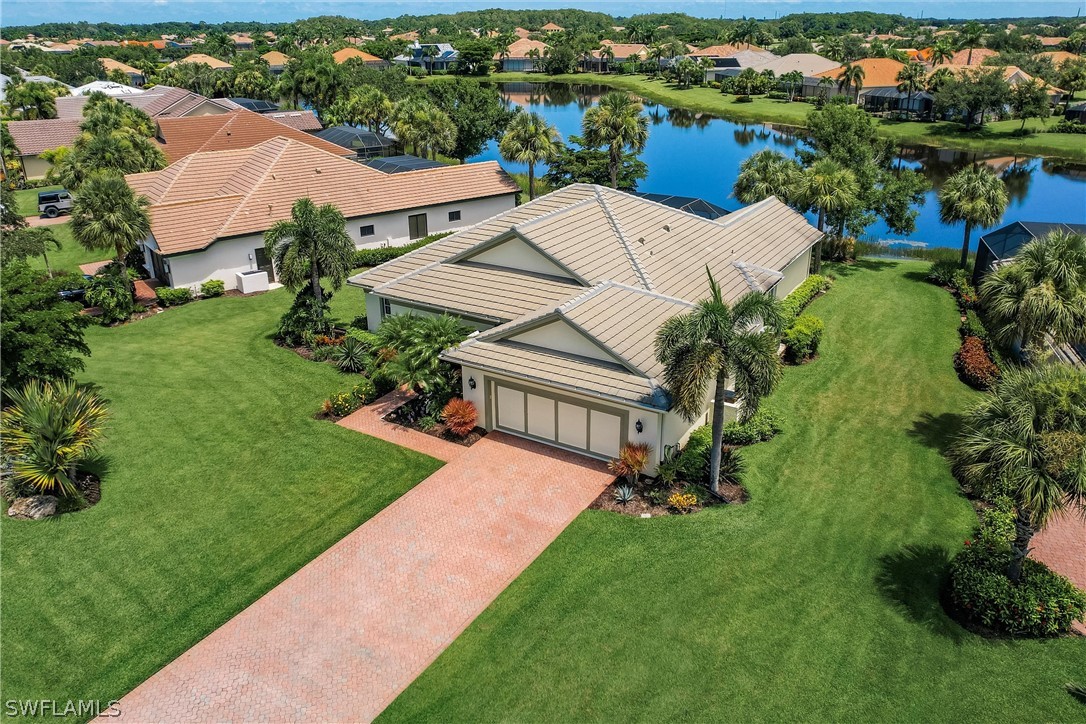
x,y
695,154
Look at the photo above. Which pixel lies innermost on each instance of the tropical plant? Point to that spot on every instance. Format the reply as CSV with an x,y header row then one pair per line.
x,y
460,416
970,37
633,458
975,196
852,76
942,52
764,174
415,344
606,53
26,242
910,79
624,494
1041,294
617,123
351,356
713,344
791,80
1027,439
530,139
107,215
49,429
830,189
313,244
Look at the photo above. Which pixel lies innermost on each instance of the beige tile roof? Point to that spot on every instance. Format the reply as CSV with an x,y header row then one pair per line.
x,y
878,72
624,50
33,137
204,58
807,63
298,120
723,51
179,137
1058,57
342,56
110,64
274,58
162,101
520,48
220,194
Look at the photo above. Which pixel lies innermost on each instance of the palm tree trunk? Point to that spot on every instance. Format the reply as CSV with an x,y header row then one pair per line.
x,y
616,158
1023,533
124,270
48,270
315,280
965,245
718,434
531,180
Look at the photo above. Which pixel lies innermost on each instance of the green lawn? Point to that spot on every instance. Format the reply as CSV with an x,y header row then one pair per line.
x,y
71,254
997,137
814,602
220,484
26,200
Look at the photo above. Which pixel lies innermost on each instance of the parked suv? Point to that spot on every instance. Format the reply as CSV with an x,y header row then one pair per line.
x,y
53,203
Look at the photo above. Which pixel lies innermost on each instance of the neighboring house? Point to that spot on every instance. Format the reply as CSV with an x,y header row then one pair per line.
x,y
242,41
363,143
410,36
1076,112
277,62
568,292
879,73
809,64
552,28
623,53
516,56
403,163
256,105
979,56
32,138
999,246
162,101
1012,74
1058,57
107,87
1052,41
209,211
689,204
135,76
342,56
729,60
208,60
300,120
180,137
416,55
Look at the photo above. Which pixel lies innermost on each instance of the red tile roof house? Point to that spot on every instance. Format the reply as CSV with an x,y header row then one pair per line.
x,y
209,211
568,292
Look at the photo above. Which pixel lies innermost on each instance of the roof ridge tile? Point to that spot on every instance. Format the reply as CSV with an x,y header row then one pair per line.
x,y
631,253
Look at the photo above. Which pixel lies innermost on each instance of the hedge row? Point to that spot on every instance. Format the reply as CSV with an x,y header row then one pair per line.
x,y
380,255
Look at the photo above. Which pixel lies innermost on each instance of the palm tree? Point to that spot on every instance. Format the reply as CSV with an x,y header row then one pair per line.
x,y
833,47
970,36
530,139
313,244
791,79
766,173
49,428
976,196
616,122
942,51
107,215
1027,439
609,53
851,76
832,190
824,85
746,31
910,79
1041,294
429,52
716,342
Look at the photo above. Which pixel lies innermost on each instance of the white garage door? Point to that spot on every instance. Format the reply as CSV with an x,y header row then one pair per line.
x,y
589,428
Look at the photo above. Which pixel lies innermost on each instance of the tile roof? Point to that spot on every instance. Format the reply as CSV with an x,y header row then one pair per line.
x,y
979,56
809,64
219,194
878,72
342,56
159,102
215,63
552,26
33,137
624,50
111,64
723,51
179,137
1058,57
520,48
298,120
274,58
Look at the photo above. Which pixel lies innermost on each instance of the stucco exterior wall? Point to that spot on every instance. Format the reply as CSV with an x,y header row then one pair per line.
x,y
35,167
561,337
222,260
794,274
515,254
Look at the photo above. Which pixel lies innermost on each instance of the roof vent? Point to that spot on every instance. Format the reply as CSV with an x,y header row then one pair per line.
x,y
667,227
316,170
640,240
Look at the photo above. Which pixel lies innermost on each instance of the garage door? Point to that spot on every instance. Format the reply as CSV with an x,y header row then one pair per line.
x,y
594,429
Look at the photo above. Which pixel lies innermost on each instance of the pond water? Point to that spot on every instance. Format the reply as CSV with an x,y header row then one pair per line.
x,y
695,154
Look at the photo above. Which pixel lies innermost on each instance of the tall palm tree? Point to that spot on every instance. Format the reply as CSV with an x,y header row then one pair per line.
x,y
746,31
312,244
616,122
716,342
976,196
942,51
429,52
970,36
832,190
833,47
911,79
107,215
766,173
1041,293
852,76
608,53
530,139
791,79
1027,439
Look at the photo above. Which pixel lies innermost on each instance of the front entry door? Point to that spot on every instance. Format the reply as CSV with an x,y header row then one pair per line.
x,y
263,263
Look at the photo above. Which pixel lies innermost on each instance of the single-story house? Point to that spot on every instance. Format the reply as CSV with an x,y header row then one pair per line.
x,y
345,54
1012,74
516,55
180,137
209,211
32,138
108,87
162,101
567,293
809,64
277,62
893,100
1000,245
552,28
242,41
1076,112
212,62
1057,57
878,73
619,53
411,36
979,55
431,56
135,76
729,60
361,142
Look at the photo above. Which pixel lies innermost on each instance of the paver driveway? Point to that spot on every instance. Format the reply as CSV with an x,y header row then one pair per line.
x,y
341,638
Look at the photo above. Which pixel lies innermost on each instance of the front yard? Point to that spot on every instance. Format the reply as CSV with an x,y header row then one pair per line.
x,y
816,601
220,484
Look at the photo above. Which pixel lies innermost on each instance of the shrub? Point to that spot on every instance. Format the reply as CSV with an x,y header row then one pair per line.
x,y
1066,126
759,428
1042,603
380,255
360,322
383,381
803,295
108,293
744,99
695,457
974,365
624,494
213,288
839,248
973,327
342,404
351,356
367,339
682,502
997,523
459,416
803,337
304,319
633,458
365,391
963,287
777,95
168,297
942,272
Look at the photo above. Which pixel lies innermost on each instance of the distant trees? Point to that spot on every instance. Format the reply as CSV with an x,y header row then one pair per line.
x,y
1029,100
971,95
476,110
577,162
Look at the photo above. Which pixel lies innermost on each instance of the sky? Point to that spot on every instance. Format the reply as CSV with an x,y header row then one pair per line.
x,y
29,12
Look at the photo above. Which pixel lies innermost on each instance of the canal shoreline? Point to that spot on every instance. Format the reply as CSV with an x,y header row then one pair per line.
x,y
995,138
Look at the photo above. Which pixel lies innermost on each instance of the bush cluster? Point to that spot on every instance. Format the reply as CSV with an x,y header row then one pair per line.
x,y
693,461
1042,603
973,327
1066,126
213,288
762,426
803,337
683,502
342,404
839,248
963,288
459,416
109,293
803,295
168,297
974,365
375,257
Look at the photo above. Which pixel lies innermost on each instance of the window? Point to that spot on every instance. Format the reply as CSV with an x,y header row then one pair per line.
x,y
366,230
386,308
454,216
416,226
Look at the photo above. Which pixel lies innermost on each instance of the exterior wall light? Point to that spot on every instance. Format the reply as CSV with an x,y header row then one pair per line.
x,y
471,382
639,427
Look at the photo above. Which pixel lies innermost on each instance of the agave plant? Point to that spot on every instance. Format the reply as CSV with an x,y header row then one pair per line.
x,y
49,428
351,356
624,494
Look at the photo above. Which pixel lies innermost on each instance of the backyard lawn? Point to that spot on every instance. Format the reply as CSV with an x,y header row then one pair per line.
x,y
816,601
220,484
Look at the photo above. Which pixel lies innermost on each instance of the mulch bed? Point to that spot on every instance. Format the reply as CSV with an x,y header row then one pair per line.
x,y
642,503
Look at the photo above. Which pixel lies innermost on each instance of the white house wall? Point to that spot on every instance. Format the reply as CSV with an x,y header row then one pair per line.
x,y
515,254
561,337
222,260
794,274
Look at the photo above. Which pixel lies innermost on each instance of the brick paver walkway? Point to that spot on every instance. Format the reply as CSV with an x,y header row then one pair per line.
x,y
1062,547
340,639
370,420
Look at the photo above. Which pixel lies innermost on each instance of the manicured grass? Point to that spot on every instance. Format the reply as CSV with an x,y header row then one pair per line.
x,y
816,601
219,484
71,254
26,200
994,137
